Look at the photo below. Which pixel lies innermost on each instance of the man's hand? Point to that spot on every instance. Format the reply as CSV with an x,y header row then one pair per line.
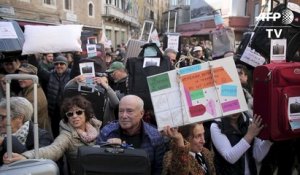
x,y
103,81
114,141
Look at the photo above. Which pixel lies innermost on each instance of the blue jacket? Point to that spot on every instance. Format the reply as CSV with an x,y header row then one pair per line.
x,y
152,143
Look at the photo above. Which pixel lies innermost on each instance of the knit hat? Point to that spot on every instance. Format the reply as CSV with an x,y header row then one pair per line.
x,y
115,66
28,68
60,59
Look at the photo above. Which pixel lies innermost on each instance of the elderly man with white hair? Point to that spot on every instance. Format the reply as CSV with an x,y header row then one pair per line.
x,y
22,127
130,128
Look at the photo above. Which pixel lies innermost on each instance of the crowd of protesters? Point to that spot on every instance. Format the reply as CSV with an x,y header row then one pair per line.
x,y
227,147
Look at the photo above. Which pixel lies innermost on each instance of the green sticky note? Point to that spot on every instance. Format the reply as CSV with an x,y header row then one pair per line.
x,y
197,94
159,82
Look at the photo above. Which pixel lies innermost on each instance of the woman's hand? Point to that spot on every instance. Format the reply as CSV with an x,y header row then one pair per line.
x,y
174,134
254,128
103,81
80,79
15,157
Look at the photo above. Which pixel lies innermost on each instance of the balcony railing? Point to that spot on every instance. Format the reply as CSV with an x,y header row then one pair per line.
x,y
112,11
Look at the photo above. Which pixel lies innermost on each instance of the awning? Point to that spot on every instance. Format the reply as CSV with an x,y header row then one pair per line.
x,y
23,23
188,33
205,31
198,32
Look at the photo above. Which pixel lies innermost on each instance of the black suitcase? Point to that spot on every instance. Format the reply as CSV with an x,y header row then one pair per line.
x,y
261,43
137,74
96,95
113,161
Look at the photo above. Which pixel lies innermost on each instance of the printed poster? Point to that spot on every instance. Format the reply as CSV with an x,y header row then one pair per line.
x,y
87,70
91,50
173,42
196,93
278,50
294,112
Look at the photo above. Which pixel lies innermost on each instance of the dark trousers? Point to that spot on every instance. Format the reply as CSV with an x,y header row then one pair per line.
x,y
281,156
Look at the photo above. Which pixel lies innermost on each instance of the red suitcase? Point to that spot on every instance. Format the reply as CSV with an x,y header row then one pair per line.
x,y
275,92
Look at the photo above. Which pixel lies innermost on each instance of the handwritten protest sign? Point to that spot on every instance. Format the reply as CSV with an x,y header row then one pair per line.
x,y
173,42
252,57
196,93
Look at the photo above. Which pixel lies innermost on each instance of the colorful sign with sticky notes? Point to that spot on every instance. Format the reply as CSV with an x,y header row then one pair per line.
x,y
203,92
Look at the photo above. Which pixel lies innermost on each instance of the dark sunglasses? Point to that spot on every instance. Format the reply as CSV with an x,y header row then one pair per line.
x,y
71,114
61,64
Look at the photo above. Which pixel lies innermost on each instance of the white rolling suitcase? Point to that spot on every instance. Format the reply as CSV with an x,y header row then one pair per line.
x,y
30,166
134,46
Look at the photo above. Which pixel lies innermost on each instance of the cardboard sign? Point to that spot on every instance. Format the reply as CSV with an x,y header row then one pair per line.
x,y
252,57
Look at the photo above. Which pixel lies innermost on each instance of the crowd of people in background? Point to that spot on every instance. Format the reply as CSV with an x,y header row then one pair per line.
x,y
227,147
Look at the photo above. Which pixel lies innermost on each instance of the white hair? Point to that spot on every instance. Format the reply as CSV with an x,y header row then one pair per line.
x,y
19,106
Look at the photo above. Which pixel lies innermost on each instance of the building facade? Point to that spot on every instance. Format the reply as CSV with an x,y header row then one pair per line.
x,y
120,20
195,18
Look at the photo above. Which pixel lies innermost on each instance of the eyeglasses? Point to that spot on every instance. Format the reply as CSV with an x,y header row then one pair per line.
x,y
61,64
71,114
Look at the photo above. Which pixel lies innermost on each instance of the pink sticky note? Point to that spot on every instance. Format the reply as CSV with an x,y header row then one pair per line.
x,y
211,107
230,105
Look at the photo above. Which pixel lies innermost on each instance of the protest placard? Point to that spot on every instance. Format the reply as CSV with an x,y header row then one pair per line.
x,y
196,93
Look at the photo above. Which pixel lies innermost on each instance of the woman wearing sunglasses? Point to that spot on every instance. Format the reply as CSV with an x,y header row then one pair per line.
x,y
78,127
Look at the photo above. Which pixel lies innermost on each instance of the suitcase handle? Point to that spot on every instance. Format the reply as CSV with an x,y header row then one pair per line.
x,y
10,77
143,30
21,162
116,145
35,80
